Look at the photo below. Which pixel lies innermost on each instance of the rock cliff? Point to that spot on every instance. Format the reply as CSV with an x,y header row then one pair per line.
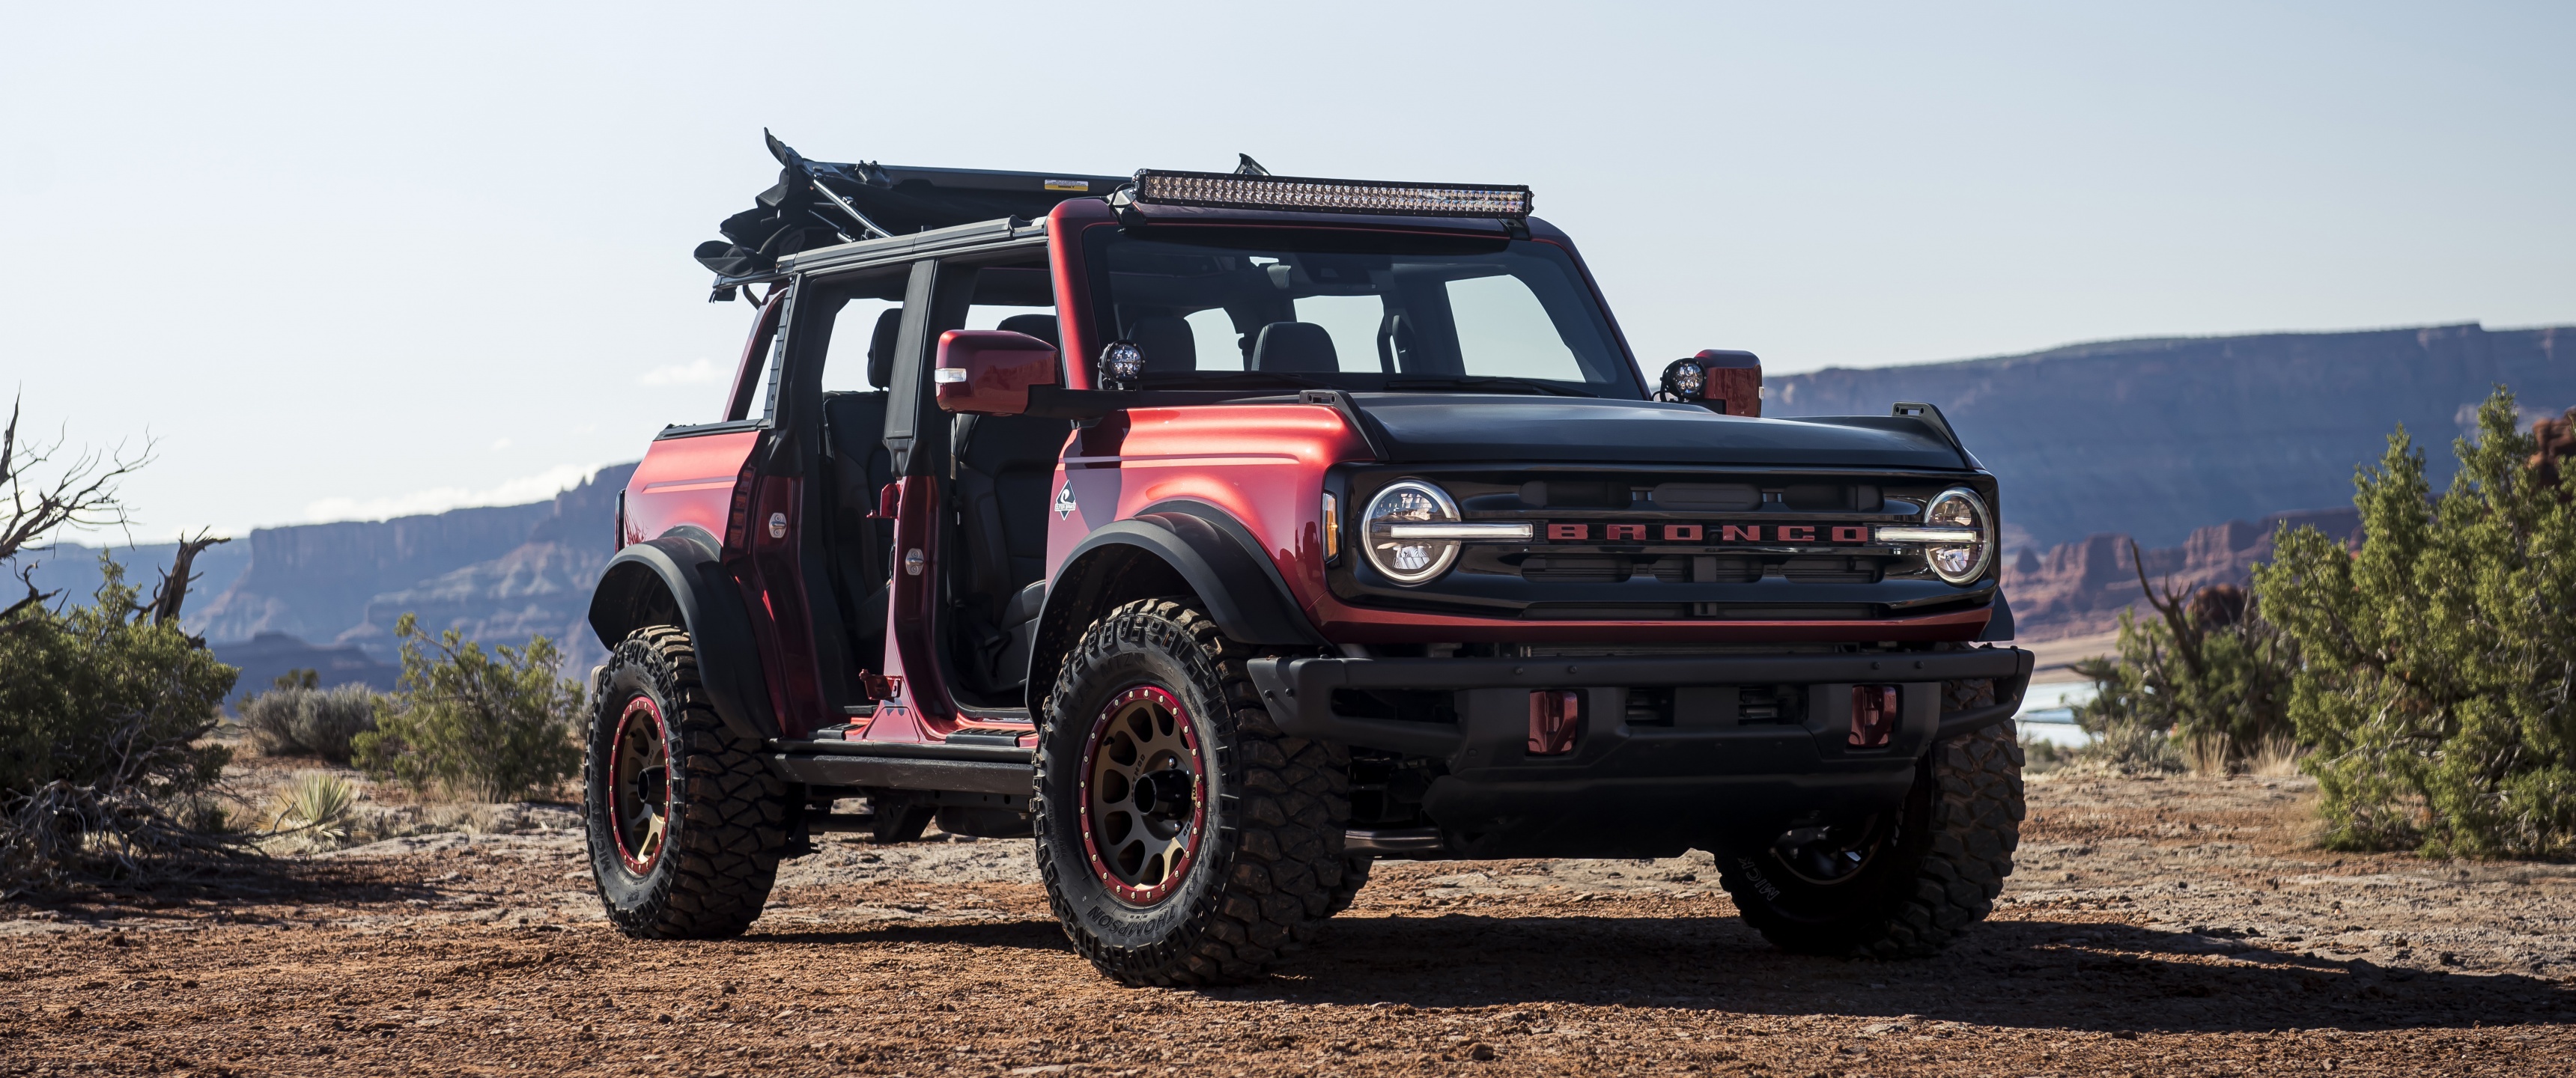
x,y
541,586
2079,588
313,581
2154,437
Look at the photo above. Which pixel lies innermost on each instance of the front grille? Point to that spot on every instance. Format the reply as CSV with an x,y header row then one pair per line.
x,y
1576,569
1830,570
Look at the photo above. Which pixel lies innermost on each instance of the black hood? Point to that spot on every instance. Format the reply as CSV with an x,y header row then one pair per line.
x,y
1425,428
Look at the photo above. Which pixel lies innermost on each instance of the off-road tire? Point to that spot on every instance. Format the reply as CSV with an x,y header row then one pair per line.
x,y
1355,875
1939,874
727,816
1268,866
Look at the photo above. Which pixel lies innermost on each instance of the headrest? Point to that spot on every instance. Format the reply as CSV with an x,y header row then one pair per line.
x,y
1294,348
881,349
1167,343
1040,326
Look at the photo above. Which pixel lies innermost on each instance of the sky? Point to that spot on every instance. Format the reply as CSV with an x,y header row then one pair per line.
x,y
342,261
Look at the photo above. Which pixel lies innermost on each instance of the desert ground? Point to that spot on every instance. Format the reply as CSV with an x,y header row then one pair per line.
x,y
2154,926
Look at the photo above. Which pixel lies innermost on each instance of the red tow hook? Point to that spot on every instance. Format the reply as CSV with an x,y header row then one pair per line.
x,y
1873,716
1553,714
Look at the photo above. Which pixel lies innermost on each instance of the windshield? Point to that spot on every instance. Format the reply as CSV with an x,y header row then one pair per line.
x,y
1220,308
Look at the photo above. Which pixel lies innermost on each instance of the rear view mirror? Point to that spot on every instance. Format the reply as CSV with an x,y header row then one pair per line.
x,y
990,371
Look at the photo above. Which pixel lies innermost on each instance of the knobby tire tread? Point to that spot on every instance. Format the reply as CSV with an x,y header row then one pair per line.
x,y
721,856
1974,827
1280,847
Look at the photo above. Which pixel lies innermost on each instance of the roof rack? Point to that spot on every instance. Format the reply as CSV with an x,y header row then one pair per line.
x,y
822,203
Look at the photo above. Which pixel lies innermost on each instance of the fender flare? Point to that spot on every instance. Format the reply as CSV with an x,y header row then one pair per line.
x,y
1213,553
678,578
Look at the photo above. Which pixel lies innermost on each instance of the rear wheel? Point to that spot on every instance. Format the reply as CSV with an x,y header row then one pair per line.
x,y
1182,838
1899,884
685,824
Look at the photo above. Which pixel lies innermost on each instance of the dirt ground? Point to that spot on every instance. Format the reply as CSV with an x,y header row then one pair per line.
x,y
2174,926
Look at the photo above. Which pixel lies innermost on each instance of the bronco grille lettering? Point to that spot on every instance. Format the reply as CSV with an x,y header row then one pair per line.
x,y
1849,534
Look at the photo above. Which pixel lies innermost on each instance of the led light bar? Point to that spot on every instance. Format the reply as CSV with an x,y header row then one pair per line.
x,y
1226,191
1930,535
1459,531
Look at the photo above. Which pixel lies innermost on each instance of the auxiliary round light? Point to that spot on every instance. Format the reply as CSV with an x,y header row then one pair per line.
x,y
1686,380
1122,365
1409,560
1959,507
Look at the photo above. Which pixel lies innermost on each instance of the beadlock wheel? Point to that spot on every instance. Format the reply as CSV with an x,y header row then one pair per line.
x,y
1144,797
640,785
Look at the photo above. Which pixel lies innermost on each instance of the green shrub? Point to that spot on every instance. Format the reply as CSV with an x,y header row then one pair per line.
x,y
2127,735
101,713
2440,656
302,719
497,726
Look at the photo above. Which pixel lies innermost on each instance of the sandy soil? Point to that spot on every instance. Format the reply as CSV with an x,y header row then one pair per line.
x,y
2175,926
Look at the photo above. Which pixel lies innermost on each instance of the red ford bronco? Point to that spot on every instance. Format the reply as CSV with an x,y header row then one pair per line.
x,y
1229,531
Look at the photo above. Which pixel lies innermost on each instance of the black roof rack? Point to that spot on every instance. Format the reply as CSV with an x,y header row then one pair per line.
x,y
820,203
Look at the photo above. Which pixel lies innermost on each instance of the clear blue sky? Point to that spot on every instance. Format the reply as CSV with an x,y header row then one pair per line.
x,y
348,260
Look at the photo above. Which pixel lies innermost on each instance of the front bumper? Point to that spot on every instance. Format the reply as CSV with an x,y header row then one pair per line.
x,y
1644,789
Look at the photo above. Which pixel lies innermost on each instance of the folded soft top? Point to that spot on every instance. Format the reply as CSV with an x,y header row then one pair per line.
x,y
820,203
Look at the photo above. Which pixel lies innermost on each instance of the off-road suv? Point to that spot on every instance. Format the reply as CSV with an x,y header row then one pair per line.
x,y
1229,531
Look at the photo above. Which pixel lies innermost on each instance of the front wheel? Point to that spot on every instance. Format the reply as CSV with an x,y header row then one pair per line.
x,y
1183,839
685,824
1899,884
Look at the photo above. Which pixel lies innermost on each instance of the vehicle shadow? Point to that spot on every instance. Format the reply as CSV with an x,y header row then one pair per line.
x,y
2033,974
2072,976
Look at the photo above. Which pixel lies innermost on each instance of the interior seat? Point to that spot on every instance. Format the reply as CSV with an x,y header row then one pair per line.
x,y
1168,343
1005,470
1040,326
863,549
1295,348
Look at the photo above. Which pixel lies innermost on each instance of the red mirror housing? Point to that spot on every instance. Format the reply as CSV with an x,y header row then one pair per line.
x,y
1734,382
989,371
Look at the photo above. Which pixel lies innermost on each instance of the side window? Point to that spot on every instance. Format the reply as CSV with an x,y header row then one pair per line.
x,y
1503,330
1353,322
865,325
1213,336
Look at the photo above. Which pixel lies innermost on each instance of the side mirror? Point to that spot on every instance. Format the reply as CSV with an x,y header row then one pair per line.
x,y
1722,381
989,371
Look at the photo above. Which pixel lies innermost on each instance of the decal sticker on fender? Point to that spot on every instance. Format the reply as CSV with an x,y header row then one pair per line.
x,y
1064,502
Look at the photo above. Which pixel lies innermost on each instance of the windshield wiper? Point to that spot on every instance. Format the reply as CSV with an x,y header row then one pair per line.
x,y
1236,378
1484,382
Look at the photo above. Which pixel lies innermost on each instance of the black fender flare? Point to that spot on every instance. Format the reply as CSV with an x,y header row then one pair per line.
x,y
1210,551
679,579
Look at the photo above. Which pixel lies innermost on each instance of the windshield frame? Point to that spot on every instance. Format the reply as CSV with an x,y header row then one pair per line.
x,y
1626,380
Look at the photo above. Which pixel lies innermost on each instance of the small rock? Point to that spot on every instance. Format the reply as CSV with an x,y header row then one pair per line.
x,y
1480,1050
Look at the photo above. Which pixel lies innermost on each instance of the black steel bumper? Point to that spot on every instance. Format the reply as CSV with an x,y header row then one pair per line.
x,y
1636,790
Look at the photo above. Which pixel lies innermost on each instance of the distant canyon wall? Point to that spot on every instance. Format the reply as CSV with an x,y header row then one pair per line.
x,y
2153,438
2080,588
495,574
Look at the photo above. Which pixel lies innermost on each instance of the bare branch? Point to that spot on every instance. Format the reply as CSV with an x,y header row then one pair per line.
x,y
83,494
173,591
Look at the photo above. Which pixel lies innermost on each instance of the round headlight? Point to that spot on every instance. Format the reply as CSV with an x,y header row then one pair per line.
x,y
1408,559
1961,563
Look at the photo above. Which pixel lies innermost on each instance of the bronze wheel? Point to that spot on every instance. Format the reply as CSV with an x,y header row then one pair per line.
x,y
1144,798
639,804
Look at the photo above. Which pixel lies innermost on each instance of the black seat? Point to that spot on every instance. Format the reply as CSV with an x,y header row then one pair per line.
x,y
1167,342
1005,466
1294,348
1040,326
863,549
